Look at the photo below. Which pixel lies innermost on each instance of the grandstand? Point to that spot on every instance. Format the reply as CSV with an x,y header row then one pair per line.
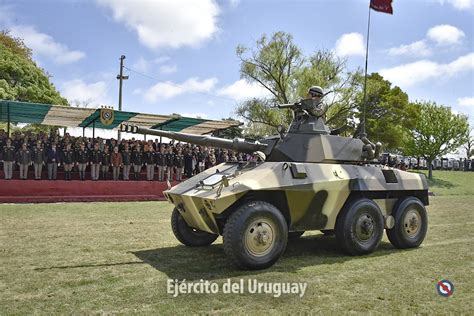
x,y
17,190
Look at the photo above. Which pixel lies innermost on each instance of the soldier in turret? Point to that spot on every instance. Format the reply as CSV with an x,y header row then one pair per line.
x,y
68,161
81,158
39,159
24,161
318,108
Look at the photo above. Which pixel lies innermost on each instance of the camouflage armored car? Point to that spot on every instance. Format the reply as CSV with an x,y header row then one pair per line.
x,y
303,179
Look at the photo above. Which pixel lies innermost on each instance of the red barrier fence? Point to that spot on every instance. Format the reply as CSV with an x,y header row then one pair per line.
x,y
45,191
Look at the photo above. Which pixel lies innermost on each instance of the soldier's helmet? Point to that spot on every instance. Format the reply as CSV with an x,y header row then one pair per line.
x,y
316,91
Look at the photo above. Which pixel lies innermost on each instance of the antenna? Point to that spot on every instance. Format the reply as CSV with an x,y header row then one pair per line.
x,y
364,134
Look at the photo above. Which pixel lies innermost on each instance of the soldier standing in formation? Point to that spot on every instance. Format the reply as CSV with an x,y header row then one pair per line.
x,y
82,160
188,163
105,162
201,157
68,161
169,164
126,161
160,159
137,161
39,159
24,161
116,163
8,155
179,164
53,159
149,160
95,160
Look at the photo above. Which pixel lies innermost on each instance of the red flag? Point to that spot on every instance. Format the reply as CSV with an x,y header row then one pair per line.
x,y
384,6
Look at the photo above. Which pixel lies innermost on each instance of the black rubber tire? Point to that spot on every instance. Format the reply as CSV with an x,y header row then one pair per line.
x,y
294,235
398,234
235,231
347,221
328,232
187,235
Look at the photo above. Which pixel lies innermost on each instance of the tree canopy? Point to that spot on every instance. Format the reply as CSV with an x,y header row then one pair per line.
x,y
389,114
436,132
279,66
20,78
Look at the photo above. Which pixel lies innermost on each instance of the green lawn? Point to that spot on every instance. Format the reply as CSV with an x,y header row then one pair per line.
x,y
117,257
451,182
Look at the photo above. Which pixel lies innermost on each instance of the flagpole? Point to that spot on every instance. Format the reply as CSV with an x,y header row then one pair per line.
x,y
365,77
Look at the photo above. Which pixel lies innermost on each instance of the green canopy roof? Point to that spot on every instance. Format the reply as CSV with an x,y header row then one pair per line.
x,y
66,116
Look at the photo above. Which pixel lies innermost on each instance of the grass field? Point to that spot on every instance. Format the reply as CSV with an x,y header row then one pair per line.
x,y
117,257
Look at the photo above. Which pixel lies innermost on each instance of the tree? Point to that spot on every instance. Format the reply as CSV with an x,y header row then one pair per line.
x,y
469,145
278,65
389,114
20,78
437,132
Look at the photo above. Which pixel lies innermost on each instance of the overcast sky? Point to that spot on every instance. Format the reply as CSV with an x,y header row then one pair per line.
x,y
186,49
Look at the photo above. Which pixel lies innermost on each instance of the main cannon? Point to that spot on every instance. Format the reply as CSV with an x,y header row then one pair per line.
x,y
236,144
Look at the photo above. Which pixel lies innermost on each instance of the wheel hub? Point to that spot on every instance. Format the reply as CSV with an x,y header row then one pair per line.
x,y
412,223
364,227
260,237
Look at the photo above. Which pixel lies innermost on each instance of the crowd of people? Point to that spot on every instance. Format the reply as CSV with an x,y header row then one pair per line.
x,y
106,159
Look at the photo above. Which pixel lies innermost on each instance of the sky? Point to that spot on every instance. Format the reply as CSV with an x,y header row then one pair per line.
x,y
180,54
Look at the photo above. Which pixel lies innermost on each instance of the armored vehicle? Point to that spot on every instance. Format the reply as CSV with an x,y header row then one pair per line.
x,y
304,179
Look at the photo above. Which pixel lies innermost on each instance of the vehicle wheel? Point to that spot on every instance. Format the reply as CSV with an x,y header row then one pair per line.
x,y
359,227
411,223
294,235
328,232
188,235
255,235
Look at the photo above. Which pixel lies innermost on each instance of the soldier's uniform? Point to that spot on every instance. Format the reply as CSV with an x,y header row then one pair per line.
x,y
95,159
53,159
105,164
149,160
317,108
39,159
170,165
8,156
126,161
137,162
24,160
179,164
160,159
81,158
116,160
201,157
68,162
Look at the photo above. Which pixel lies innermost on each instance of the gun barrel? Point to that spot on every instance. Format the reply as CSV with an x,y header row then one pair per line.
x,y
204,140
287,105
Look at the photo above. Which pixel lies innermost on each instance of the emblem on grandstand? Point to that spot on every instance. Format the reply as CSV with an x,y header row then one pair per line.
x,y
106,115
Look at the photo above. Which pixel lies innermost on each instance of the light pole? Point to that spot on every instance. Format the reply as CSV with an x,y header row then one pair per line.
x,y
121,78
